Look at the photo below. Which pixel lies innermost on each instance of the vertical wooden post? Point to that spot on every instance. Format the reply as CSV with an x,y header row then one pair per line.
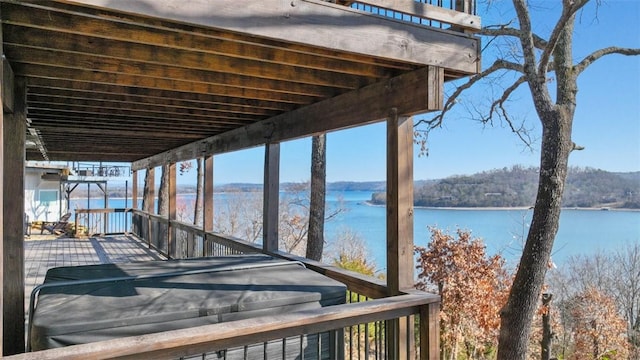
x,y
13,222
271,197
430,332
2,171
134,190
399,203
148,200
172,211
207,201
399,227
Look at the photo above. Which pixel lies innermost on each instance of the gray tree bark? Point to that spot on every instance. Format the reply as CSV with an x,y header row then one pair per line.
x,y
147,196
315,236
539,58
197,209
163,192
557,121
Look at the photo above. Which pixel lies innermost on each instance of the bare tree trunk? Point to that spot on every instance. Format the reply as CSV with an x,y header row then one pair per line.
x,y
197,209
147,197
556,119
163,192
315,236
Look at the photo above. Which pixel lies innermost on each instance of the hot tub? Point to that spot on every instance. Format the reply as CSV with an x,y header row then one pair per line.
x,y
83,304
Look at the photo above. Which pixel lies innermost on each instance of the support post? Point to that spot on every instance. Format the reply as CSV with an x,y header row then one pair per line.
x,y
13,141
207,201
271,197
134,190
399,226
172,211
3,278
148,198
430,332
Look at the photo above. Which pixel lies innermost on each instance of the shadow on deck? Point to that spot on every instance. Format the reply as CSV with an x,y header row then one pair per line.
x,y
44,252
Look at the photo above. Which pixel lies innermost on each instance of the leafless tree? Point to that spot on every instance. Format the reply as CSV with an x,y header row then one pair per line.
x,y
535,61
315,243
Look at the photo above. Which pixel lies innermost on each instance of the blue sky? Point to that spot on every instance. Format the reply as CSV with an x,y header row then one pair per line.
x,y
607,120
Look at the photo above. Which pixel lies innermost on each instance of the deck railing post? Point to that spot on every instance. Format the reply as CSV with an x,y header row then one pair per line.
x,y
207,201
399,225
171,231
271,197
430,332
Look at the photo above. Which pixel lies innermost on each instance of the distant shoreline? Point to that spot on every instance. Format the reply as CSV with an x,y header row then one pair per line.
x,y
494,208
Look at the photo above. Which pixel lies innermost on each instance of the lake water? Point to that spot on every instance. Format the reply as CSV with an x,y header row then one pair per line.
x,y
581,231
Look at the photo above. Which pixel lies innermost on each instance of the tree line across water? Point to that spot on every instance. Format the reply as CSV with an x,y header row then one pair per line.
x,y
506,187
516,187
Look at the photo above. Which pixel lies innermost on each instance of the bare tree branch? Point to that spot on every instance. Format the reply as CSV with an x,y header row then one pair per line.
x,y
499,64
591,58
498,107
526,39
504,30
569,8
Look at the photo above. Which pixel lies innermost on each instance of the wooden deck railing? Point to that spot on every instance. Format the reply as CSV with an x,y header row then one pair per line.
x,y
90,222
368,325
455,15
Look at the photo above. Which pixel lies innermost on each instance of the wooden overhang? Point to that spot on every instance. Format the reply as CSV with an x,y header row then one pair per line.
x,y
152,81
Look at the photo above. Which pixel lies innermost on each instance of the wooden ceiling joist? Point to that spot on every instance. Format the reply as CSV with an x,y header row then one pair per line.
x,y
151,80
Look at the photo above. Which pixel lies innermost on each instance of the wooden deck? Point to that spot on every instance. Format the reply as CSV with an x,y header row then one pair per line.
x,y
42,252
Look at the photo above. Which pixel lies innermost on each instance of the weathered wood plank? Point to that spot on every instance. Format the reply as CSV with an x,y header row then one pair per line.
x,y
77,51
363,106
399,203
318,24
141,81
104,24
172,213
8,86
13,221
171,107
117,132
3,276
46,86
191,341
96,107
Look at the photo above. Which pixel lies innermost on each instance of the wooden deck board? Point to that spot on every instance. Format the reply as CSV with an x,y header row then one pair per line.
x,y
45,252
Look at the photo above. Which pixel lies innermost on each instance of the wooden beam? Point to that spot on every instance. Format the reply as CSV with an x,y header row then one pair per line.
x,y
13,222
79,51
430,332
399,226
317,23
3,276
399,203
134,190
8,86
99,23
99,109
208,203
172,215
271,197
142,81
171,107
410,93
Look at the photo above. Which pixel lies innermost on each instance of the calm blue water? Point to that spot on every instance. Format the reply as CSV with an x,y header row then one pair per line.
x,y
581,231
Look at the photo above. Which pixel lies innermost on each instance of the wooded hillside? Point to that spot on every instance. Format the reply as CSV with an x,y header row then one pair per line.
x,y
516,187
